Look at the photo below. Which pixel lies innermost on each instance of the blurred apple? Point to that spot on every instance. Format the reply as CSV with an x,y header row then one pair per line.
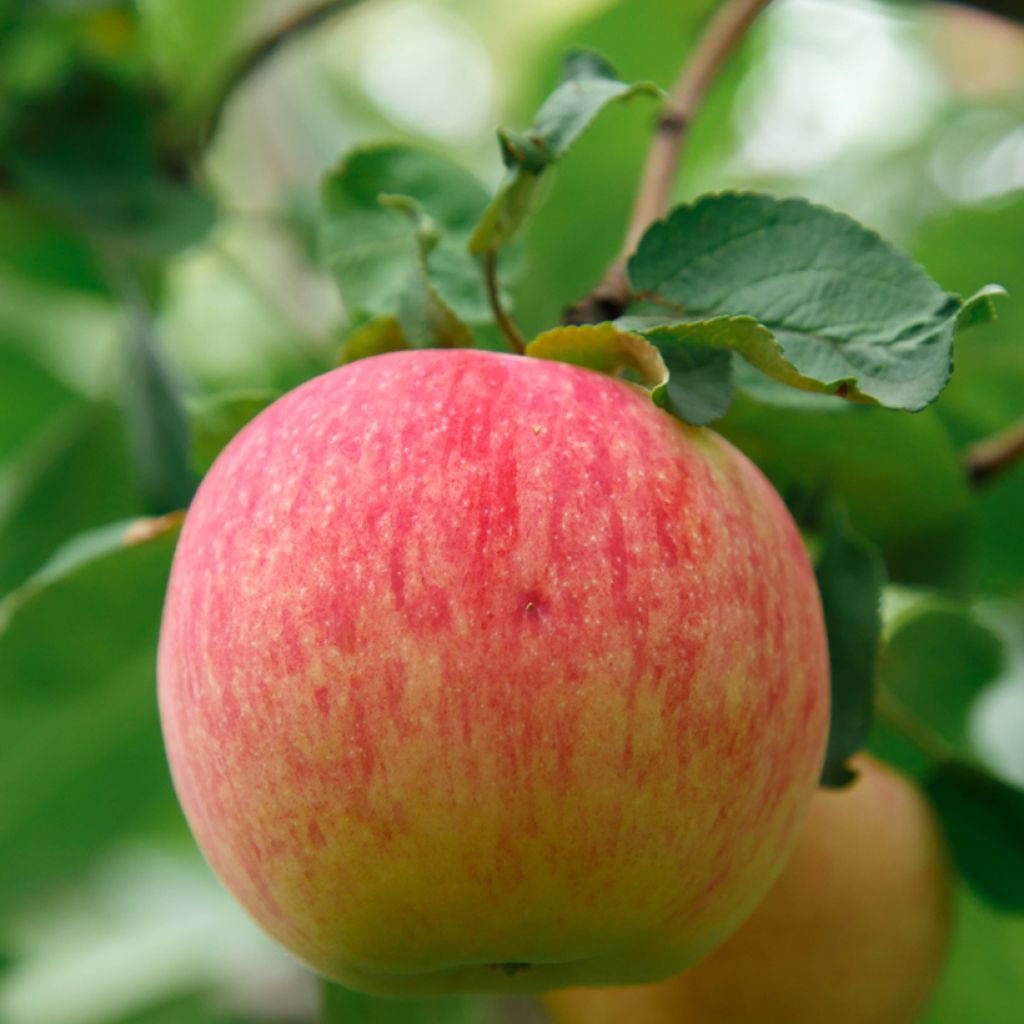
x,y
854,932
481,672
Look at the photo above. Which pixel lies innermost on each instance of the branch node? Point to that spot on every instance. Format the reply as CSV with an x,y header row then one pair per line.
x,y
673,122
611,295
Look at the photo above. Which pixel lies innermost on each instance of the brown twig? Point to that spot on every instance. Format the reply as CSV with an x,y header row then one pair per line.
x,y
504,321
725,30
255,57
992,457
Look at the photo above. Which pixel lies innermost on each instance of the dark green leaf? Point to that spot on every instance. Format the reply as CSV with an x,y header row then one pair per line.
x,y
881,464
699,388
704,346
589,87
81,760
845,312
38,244
936,662
90,150
984,821
89,593
157,426
850,579
76,477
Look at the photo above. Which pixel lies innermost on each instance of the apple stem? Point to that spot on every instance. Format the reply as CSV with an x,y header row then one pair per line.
x,y
504,320
726,28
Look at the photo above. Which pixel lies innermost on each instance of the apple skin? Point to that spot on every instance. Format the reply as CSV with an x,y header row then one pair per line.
x,y
855,930
481,673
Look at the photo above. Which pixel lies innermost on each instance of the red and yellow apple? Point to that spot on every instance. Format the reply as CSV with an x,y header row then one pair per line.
x,y
854,931
481,672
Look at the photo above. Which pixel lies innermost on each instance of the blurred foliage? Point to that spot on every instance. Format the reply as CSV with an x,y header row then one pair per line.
x,y
157,289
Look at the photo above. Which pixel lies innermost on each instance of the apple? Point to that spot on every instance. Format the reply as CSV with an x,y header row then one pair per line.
x,y
854,931
481,672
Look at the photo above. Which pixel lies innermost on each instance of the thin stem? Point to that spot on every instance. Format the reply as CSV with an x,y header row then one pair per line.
x,y
505,322
992,457
723,33
254,58
891,710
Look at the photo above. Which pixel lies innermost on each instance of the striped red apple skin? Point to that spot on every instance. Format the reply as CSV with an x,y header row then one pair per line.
x,y
481,672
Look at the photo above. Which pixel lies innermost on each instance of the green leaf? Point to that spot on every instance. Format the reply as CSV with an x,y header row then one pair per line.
x,y
841,310
81,761
810,445
423,315
90,151
215,421
983,979
603,348
691,381
32,396
850,578
741,334
980,307
75,477
78,774
342,1006
583,63
38,244
157,425
588,86
717,337
398,256
89,588
936,662
984,822
699,387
